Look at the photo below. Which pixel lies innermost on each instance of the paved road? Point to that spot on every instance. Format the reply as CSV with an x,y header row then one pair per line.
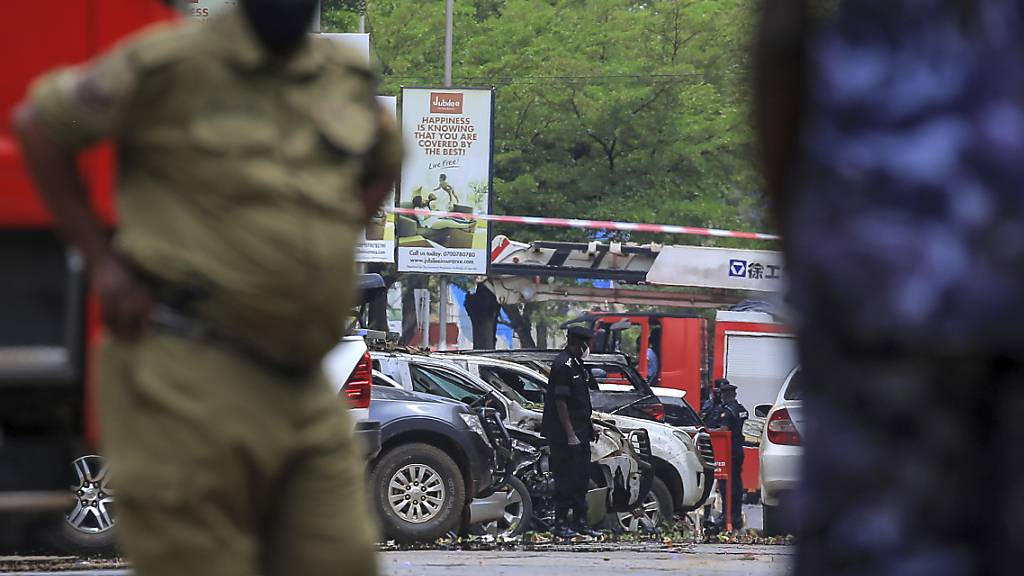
x,y
705,560
595,559
702,560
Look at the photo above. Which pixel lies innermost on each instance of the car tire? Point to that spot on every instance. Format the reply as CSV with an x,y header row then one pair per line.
x,y
773,518
418,492
518,513
61,537
88,528
656,510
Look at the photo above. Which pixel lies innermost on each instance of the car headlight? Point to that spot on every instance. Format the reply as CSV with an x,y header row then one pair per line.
x,y
473,423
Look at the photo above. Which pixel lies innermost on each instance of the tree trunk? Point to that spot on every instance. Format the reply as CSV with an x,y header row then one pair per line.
x,y
410,283
521,324
378,307
542,330
482,308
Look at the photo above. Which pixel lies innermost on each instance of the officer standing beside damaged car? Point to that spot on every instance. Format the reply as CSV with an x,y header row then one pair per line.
x,y
567,426
250,155
726,413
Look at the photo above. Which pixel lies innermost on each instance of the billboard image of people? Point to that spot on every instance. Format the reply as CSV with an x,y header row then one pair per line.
x,y
447,168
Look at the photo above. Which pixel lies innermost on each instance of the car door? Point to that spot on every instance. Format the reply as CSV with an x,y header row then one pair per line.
x,y
529,386
439,382
621,390
678,412
620,396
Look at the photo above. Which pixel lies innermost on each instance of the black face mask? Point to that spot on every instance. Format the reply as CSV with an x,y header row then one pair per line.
x,y
281,25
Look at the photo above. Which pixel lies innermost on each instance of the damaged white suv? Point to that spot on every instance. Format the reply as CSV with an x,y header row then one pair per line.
x,y
680,476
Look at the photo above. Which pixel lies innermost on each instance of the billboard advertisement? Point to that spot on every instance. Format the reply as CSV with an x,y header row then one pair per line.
x,y
377,241
448,140
204,9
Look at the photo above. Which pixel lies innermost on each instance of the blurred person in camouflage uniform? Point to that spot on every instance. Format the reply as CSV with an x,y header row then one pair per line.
x,y
892,138
250,155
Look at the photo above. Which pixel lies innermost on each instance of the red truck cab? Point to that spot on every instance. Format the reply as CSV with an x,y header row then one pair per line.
x,y
48,323
679,345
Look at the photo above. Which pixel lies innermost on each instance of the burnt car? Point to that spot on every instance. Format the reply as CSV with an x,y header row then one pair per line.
x,y
621,390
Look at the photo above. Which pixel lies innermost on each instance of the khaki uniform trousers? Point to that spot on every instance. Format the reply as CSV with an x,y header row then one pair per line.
x,y
223,467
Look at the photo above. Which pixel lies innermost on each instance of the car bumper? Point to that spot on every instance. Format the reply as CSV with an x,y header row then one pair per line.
x,y
693,479
368,435
708,485
780,471
597,505
488,509
480,457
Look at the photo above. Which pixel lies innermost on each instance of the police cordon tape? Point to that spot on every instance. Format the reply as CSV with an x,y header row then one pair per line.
x,y
589,224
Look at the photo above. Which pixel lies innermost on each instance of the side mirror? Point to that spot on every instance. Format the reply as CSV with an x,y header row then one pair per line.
x,y
762,410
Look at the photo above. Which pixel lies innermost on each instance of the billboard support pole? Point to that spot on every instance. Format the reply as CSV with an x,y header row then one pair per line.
x,y
449,15
442,314
442,304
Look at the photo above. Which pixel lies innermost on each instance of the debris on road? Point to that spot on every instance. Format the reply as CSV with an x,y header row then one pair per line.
x,y
58,563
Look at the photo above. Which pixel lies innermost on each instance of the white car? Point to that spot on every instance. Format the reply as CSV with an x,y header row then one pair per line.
x,y
679,474
781,453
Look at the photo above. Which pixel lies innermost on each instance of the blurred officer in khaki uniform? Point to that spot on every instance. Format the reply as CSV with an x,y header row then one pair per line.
x,y
249,157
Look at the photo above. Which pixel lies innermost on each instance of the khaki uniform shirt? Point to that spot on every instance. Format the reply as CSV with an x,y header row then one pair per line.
x,y
239,174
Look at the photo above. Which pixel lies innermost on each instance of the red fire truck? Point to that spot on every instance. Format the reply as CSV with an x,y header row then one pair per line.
x,y
751,349
720,338
48,322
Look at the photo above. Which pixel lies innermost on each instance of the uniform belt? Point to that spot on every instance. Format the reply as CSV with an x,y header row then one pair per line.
x,y
166,319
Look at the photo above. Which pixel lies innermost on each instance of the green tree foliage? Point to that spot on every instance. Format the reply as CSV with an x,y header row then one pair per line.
x,y
608,109
340,15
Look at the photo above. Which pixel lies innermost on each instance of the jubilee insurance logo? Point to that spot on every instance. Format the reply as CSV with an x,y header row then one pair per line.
x,y
445,103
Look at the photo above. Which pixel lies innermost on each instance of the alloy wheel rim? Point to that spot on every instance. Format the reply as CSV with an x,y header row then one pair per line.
x,y
647,516
93,512
511,519
416,493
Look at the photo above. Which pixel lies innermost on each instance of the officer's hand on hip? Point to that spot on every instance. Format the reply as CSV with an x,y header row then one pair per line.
x,y
573,440
125,301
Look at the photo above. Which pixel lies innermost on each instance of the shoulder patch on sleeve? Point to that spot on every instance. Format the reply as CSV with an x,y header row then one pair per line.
x,y
100,86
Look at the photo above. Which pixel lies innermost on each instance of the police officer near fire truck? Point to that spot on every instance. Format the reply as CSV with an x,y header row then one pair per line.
x,y
567,426
728,414
713,401
250,156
